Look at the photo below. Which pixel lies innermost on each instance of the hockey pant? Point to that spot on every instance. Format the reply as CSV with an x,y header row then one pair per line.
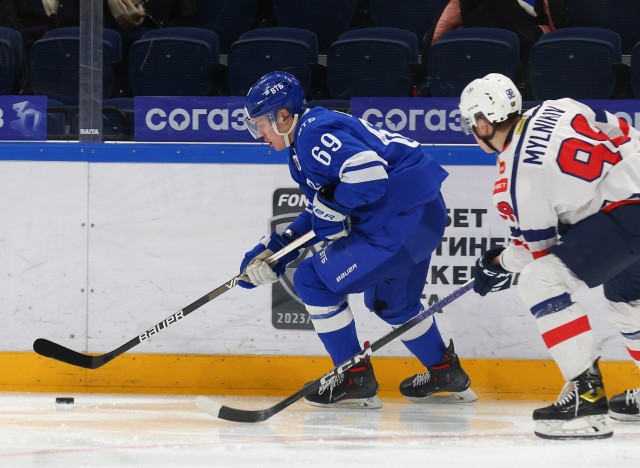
x,y
603,249
390,267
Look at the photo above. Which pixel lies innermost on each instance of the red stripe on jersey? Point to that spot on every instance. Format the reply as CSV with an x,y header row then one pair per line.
x,y
539,253
624,126
520,243
634,354
566,332
614,205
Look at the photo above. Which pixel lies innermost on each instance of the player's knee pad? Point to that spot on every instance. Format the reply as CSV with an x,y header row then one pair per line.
x,y
544,280
625,316
310,287
327,319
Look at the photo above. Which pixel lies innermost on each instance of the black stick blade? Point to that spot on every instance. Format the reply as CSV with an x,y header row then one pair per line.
x,y
58,352
217,410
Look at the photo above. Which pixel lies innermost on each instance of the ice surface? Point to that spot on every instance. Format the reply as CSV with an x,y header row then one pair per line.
x,y
117,431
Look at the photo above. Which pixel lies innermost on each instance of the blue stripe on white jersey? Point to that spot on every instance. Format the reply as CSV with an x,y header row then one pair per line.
x,y
537,235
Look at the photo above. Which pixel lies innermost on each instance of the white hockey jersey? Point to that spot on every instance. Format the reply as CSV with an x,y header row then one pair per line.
x,y
564,163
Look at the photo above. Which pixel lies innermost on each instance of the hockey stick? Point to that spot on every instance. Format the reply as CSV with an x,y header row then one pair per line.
x,y
213,408
56,351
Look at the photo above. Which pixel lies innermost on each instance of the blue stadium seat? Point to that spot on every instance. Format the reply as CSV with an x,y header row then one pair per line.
x,y
227,19
176,61
326,18
11,58
463,55
575,62
54,66
263,50
418,16
111,38
372,62
635,70
621,16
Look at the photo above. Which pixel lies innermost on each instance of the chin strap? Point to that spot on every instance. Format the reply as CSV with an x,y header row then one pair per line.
x,y
286,134
487,140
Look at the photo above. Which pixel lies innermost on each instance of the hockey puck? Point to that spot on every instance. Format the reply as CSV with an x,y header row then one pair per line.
x,y
64,401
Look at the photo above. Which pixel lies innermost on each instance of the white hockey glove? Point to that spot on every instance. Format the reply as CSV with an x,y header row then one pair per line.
x,y
257,269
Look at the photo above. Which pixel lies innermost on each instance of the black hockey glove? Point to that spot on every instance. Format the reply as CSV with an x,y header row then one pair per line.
x,y
490,278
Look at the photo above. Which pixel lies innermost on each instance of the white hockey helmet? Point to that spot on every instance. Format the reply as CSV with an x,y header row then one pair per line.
x,y
494,97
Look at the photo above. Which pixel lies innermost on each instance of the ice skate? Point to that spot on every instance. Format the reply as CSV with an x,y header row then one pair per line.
x,y
446,382
356,388
579,413
625,406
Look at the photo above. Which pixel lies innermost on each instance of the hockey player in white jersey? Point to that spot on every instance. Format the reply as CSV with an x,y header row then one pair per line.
x,y
375,197
568,185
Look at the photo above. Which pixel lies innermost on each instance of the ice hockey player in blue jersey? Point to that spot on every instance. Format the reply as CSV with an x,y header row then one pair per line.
x,y
374,196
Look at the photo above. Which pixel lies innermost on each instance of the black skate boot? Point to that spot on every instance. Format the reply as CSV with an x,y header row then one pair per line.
x,y
446,382
356,388
625,406
579,413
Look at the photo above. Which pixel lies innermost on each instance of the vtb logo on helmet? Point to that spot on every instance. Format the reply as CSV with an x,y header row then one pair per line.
x,y
274,91
494,97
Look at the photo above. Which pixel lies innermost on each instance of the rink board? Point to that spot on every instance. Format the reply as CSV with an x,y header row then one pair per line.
x,y
279,375
100,242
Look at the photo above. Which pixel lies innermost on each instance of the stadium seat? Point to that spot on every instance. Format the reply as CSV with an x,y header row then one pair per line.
x,y
417,16
54,64
175,61
111,38
11,57
463,55
326,18
263,50
621,16
227,19
372,62
575,62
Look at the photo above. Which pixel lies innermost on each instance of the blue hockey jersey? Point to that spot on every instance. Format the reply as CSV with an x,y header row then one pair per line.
x,y
377,174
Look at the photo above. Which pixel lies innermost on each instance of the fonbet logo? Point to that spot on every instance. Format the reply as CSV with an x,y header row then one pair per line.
x,y
435,120
288,311
180,119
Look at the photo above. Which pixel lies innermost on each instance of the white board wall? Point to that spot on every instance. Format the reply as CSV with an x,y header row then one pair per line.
x,y
93,254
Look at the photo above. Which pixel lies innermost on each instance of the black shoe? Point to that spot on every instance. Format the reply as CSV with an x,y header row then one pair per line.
x,y
625,406
446,382
356,388
579,413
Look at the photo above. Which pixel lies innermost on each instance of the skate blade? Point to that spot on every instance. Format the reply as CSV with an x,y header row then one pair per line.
x,y
362,403
466,396
588,427
624,417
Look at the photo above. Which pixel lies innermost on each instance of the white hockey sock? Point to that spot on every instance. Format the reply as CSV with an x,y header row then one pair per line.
x,y
568,336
